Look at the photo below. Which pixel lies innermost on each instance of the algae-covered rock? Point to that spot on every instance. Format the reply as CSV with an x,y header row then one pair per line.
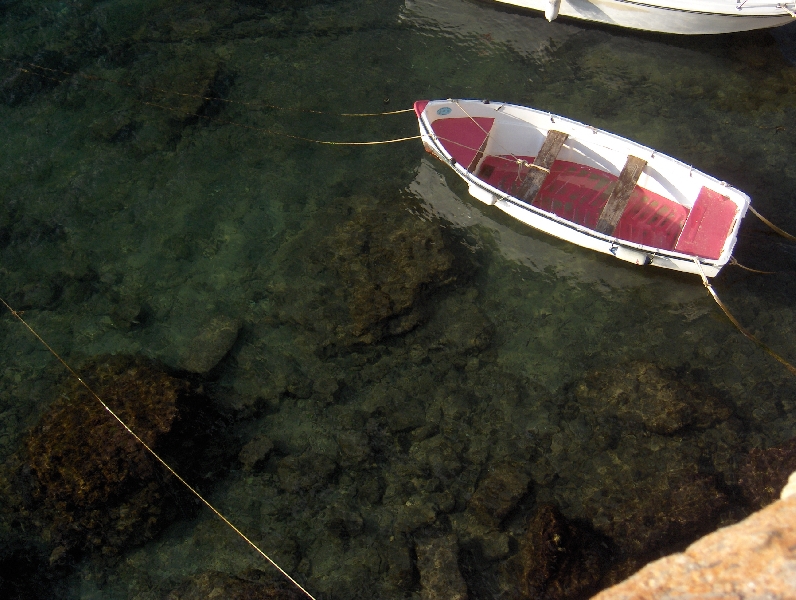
x,y
386,259
85,481
440,578
655,512
304,472
559,559
362,270
498,492
642,393
765,472
251,585
255,452
209,343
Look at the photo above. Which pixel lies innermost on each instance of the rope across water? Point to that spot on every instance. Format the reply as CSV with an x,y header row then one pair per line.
x,y
155,455
52,75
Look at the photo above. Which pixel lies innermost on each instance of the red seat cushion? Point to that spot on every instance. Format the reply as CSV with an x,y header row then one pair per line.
x,y
578,193
652,220
708,225
462,137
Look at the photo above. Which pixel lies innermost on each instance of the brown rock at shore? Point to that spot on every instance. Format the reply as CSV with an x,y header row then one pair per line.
x,y
755,558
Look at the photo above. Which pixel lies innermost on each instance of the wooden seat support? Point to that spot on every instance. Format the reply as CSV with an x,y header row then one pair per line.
x,y
541,165
478,156
620,195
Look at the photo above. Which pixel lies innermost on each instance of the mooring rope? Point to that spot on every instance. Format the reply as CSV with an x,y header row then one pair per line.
x,y
734,262
252,127
740,327
156,455
186,95
782,232
279,133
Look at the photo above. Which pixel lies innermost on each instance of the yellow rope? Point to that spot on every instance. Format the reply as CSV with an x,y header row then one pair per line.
x,y
279,133
737,264
198,96
782,232
740,328
260,129
155,454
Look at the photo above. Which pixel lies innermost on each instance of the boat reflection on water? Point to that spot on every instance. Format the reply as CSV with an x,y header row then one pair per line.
x,y
541,253
525,34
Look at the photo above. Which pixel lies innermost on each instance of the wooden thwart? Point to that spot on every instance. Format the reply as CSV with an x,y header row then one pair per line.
x,y
541,165
620,195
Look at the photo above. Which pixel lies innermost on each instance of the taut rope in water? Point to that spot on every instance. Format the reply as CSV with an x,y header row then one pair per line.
x,y
217,99
740,327
735,263
279,133
782,232
155,454
29,66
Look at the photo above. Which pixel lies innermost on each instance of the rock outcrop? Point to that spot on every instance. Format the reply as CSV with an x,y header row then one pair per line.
x,y
85,482
755,558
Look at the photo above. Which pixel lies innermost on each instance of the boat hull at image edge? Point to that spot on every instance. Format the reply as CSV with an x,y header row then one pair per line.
x,y
686,18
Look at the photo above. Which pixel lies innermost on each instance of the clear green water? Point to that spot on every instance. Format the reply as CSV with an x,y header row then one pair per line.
x,y
127,226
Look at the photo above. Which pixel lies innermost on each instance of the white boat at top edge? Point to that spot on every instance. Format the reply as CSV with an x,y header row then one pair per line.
x,y
586,186
688,17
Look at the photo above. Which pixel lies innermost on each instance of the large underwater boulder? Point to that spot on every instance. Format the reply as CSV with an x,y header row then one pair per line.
x,y
86,483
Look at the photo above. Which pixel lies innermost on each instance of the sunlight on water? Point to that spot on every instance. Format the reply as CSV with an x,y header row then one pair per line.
x,y
382,372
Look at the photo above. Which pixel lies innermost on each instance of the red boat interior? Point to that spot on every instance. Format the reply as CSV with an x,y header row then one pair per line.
x,y
578,194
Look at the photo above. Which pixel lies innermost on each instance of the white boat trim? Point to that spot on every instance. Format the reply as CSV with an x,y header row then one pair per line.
x,y
686,17
567,230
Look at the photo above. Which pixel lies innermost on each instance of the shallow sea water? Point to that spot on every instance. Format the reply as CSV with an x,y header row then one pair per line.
x,y
134,214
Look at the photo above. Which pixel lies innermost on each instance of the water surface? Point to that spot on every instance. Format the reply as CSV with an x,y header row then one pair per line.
x,y
136,211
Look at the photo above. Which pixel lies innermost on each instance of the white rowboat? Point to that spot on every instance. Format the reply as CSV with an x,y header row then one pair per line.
x,y
586,186
671,16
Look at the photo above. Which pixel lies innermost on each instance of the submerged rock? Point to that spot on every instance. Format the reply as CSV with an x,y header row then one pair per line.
x,y
254,454
362,270
764,472
645,438
498,492
559,559
440,578
751,559
209,344
251,585
645,394
85,481
304,472
660,511
386,259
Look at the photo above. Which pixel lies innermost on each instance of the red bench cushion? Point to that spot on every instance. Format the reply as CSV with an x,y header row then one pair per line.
x,y
462,137
578,193
708,225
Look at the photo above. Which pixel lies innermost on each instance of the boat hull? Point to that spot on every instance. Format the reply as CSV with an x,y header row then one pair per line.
x,y
607,150
686,17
